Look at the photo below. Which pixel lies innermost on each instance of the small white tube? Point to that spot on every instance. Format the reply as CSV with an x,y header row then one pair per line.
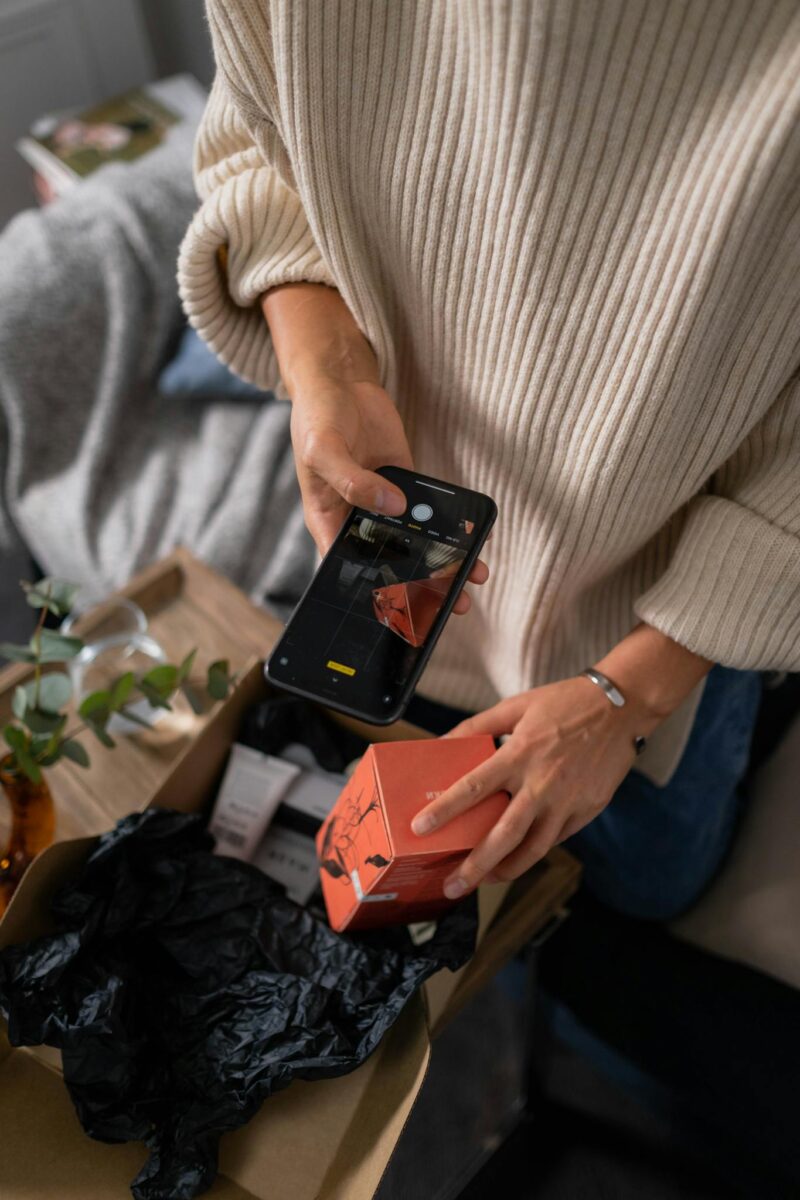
x,y
252,788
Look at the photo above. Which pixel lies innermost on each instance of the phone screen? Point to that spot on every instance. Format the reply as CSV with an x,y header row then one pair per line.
x,y
367,622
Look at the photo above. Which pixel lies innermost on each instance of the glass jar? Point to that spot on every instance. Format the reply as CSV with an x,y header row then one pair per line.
x,y
119,643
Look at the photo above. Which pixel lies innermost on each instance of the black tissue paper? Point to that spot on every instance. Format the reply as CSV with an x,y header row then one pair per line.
x,y
183,989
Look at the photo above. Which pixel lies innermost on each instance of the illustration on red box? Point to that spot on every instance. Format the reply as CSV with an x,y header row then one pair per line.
x,y
409,609
374,870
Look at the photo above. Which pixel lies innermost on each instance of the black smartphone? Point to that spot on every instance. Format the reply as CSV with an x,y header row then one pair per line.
x,y
365,627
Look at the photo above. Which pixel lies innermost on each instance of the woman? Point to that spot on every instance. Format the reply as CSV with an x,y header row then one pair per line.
x,y
551,251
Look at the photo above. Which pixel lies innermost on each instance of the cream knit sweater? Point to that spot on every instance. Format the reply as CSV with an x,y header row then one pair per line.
x,y
571,232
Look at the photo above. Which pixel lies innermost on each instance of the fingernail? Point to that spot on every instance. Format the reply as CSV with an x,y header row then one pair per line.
x,y
454,888
423,823
391,504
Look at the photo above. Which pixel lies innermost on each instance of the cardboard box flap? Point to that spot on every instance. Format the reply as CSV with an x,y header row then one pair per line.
x,y
400,1065
332,1140
5,1046
516,913
52,1156
28,915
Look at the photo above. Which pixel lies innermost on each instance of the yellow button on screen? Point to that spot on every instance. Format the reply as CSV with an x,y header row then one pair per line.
x,y
334,666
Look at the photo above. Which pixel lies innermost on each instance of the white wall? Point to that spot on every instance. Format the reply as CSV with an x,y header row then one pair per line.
x,y
179,37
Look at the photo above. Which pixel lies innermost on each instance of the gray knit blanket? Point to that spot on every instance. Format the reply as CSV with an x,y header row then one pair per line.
x,y
100,473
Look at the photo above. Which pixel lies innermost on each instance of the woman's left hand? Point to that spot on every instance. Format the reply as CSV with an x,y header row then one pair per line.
x,y
568,751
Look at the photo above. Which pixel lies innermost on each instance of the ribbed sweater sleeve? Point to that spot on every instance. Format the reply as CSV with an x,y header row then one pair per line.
x,y
251,232
732,589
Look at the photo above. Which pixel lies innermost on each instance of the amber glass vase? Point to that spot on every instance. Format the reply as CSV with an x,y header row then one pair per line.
x,y
33,826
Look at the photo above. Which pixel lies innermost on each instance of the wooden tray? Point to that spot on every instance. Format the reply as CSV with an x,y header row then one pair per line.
x,y
187,605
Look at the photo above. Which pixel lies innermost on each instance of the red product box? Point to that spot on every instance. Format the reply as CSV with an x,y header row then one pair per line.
x,y
409,609
374,870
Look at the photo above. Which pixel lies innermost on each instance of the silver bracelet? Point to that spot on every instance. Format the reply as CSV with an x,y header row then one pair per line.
x,y
615,696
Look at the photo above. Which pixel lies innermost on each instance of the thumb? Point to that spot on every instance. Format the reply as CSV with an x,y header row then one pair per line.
x,y
328,456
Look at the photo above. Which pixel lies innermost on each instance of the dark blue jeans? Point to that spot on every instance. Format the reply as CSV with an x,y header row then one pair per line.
x,y
654,850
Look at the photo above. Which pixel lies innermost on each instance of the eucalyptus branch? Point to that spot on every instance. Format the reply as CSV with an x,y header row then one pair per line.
x,y
36,737
76,731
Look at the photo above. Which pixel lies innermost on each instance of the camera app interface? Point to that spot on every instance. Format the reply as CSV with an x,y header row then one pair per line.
x,y
362,628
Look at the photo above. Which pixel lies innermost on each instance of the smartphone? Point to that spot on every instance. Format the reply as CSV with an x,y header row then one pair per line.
x,y
365,627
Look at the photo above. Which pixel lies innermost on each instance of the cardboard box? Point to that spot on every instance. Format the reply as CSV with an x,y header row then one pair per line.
x,y
329,1140
374,869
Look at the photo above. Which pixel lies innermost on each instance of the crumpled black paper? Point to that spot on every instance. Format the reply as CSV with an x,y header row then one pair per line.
x,y
283,718
184,988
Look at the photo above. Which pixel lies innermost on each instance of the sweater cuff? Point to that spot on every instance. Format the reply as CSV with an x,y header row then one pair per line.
x,y
732,590
250,235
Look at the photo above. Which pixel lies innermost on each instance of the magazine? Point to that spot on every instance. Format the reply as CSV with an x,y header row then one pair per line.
x,y
66,147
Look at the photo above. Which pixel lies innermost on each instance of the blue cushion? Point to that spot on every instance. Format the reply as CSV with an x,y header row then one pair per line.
x,y
196,371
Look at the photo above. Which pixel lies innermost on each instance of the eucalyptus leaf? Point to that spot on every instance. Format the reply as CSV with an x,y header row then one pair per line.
x,y
41,722
55,690
122,690
28,766
218,681
56,595
40,742
75,751
54,647
45,746
163,678
186,666
16,738
96,707
17,653
154,696
101,735
194,699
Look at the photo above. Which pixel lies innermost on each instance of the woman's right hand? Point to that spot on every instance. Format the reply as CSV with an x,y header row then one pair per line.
x,y
344,424
340,433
